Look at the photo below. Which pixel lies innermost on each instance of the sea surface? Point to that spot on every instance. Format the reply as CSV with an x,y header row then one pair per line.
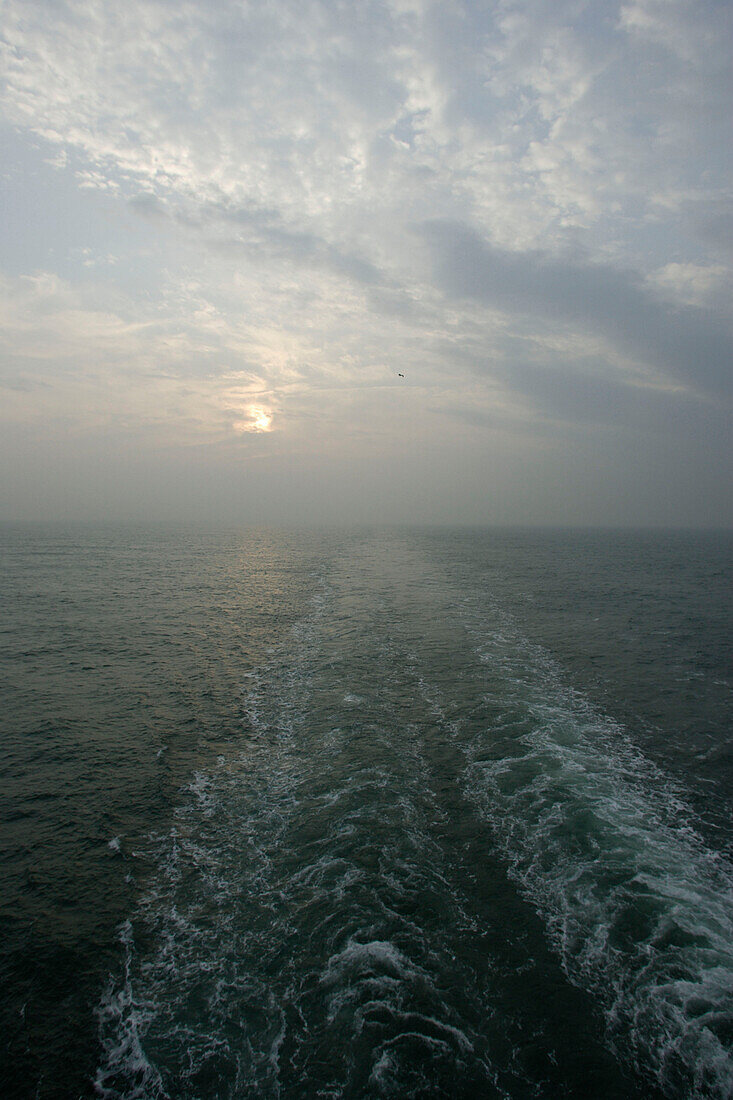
x,y
370,813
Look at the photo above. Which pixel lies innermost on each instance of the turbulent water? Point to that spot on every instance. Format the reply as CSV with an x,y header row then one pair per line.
x,y
407,813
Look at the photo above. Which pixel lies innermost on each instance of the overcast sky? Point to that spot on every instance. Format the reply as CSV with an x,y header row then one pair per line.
x,y
229,227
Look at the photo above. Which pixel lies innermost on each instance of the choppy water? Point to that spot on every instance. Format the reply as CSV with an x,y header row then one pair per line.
x,y
367,814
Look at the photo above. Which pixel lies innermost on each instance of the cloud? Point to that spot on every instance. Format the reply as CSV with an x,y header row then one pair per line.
x,y
263,231
148,205
694,284
70,357
533,121
695,346
257,171
712,221
693,31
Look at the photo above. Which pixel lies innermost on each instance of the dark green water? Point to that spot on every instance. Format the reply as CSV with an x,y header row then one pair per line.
x,y
407,813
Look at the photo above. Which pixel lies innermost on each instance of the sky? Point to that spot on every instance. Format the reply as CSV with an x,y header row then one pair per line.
x,y
229,229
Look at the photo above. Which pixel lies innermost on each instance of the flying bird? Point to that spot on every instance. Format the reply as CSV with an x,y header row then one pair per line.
x,y
400,376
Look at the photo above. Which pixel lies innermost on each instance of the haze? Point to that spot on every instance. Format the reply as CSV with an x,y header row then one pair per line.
x,y
229,228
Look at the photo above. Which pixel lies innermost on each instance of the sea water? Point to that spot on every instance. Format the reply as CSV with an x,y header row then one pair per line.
x,y
366,813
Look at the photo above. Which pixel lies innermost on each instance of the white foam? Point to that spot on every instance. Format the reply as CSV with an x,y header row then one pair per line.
x,y
204,789
359,957
603,843
122,1025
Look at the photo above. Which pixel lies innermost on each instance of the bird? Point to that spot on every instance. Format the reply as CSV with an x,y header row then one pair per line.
x,y
400,376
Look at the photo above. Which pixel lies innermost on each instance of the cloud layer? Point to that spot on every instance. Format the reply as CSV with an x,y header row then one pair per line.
x,y
524,208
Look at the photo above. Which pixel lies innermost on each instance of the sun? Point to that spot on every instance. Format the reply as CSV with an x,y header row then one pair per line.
x,y
261,420
258,419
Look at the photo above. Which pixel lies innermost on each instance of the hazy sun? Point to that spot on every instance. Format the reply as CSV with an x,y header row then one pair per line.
x,y
258,420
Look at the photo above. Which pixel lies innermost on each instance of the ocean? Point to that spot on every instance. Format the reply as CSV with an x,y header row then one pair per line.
x,y
375,812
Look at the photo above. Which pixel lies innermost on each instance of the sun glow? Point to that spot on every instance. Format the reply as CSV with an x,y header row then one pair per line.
x,y
258,420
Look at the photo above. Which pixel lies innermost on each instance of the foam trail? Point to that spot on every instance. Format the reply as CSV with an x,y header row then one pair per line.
x,y
123,1022
639,908
292,946
331,906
